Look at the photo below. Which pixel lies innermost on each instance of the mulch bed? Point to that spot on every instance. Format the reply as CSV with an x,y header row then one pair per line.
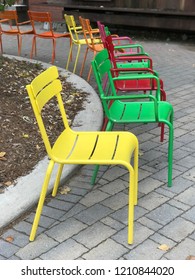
x,y
21,146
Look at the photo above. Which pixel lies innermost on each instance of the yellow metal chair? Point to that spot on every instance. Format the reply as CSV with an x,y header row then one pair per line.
x,y
7,19
72,147
76,33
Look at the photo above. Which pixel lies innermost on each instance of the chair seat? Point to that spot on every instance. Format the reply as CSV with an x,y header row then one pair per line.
x,y
125,112
93,148
50,34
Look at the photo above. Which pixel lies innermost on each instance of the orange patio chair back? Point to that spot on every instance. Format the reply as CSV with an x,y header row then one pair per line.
x,y
44,17
7,19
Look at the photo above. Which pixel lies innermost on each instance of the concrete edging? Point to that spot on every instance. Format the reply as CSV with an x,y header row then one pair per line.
x,y
25,193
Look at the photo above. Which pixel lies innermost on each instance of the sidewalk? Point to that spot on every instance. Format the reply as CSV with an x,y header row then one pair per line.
x,y
91,223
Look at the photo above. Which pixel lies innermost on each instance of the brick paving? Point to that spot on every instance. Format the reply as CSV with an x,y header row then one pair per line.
x,y
91,223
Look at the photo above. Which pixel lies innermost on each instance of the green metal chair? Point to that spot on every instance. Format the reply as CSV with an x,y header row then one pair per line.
x,y
133,107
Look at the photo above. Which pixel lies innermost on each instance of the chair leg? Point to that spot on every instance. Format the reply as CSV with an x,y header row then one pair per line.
x,y
20,45
33,47
41,201
1,45
55,188
131,205
77,57
53,51
109,127
90,69
170,154
84,60
69,57
18,39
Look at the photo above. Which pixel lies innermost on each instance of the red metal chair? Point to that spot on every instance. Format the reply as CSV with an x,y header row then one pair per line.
x,y
134,63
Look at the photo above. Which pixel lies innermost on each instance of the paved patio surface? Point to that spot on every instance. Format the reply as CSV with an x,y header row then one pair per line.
x,y
91,223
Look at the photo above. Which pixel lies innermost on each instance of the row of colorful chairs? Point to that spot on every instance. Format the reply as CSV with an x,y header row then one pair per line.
x,y
130,91
127,69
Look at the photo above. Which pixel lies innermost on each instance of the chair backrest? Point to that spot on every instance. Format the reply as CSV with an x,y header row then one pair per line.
x,y
42,89
11,17
102,32
37,17
73,28
102,68
91,37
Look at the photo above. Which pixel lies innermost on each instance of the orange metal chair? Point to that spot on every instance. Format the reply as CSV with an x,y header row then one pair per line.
x,y
7,18
43,17
79,147
93,41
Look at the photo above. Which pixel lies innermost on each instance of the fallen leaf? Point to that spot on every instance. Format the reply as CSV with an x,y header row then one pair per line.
x,y
164,247
190,257
64,190
8,183
25,135
141,153
2,154
9,239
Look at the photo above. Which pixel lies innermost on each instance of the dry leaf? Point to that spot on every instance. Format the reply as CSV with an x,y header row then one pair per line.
x,y
9,239
141,153
25,135
64,190
2,154
8,183
190,257
164,247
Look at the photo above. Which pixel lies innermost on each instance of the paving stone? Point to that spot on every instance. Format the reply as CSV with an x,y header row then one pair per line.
x,y
187,196
52,212
182,250
188,161
179,204
178,229
116,201
23,227
44,222
114,187
141,233
7,249
67,250
112,223
93,197
164,214
59,204
161,239
114,172
148,185
77,208
19,239
93,235
34,249
152,200
93,214
180,184
190,215
66,229
148,250
103,251
149,223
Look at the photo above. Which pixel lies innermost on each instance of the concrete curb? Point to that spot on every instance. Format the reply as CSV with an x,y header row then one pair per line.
x,y
25,193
